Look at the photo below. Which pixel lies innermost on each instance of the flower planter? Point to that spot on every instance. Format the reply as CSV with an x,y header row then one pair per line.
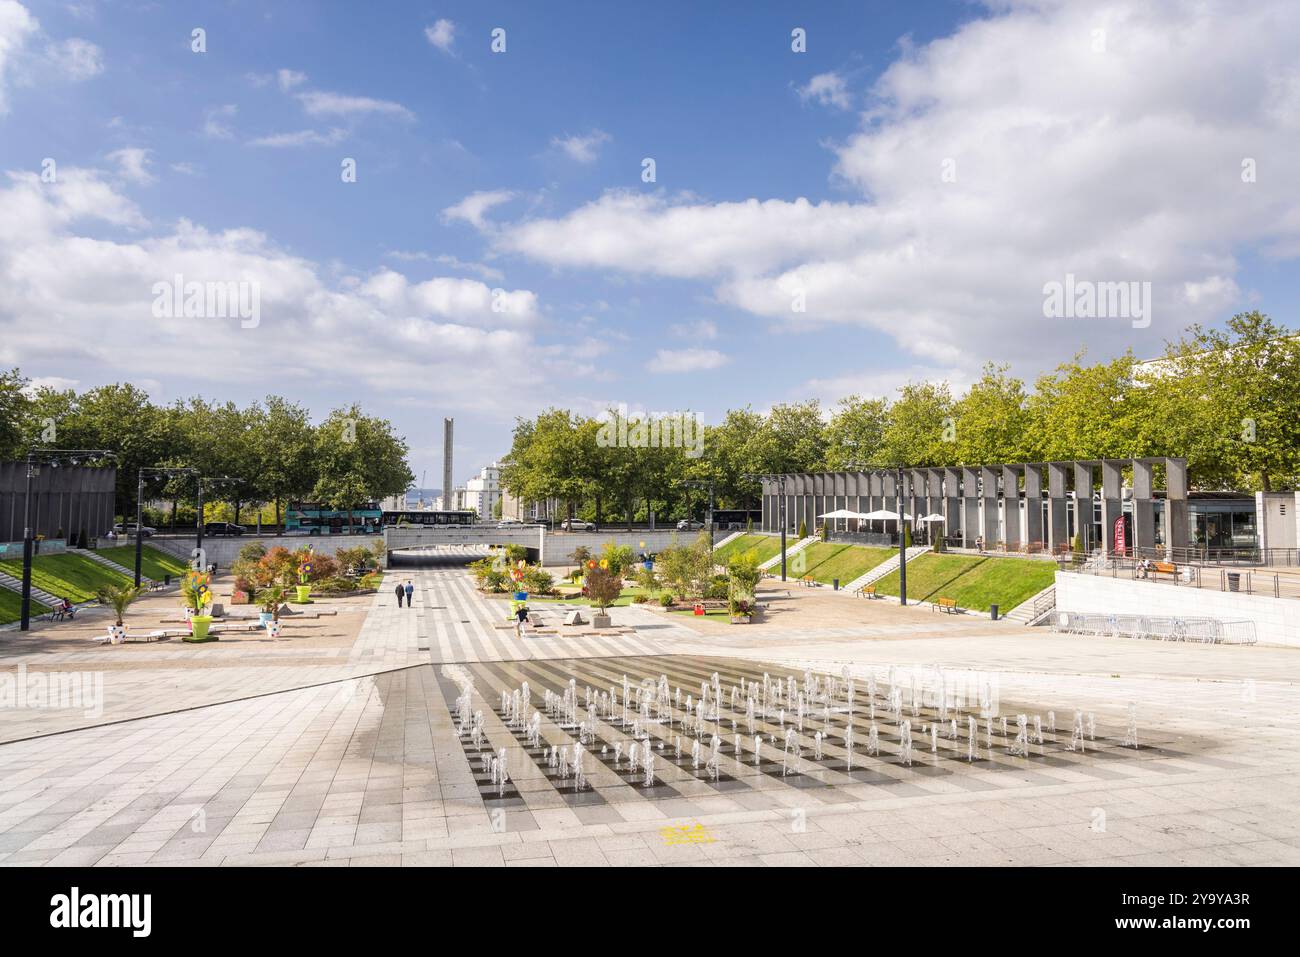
x,y
265,617
116,634
740,619
273,629
304,593
199,625
600,619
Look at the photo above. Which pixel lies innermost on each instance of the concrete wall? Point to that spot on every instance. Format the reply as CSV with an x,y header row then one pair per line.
x,y
559,547
224,550
1277,620
70,497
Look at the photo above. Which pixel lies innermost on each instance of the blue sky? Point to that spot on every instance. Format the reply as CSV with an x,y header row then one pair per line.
x,y
1115,164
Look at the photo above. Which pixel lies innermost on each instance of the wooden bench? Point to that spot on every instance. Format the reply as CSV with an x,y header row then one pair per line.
x,y
809,582
948,605
1167,568
867,591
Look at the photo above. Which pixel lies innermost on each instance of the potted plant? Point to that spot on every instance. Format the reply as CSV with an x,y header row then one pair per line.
x,y
603,588
196,592
304,576
270,599
741,610
118,597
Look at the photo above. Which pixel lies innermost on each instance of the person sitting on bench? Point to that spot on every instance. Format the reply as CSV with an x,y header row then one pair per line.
x,y
64,609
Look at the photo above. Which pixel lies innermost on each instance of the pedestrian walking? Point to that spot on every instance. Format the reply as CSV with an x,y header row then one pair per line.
x,y
521,620
400,591
410,592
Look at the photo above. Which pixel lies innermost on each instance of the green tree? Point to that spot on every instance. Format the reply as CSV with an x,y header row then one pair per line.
x,y
991,421
856,431
914,435
15,437
285,450
360,459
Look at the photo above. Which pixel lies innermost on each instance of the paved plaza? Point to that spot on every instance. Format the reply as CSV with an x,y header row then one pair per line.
x,y
345,742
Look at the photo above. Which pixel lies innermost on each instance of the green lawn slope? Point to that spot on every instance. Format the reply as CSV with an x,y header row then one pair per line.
x,y
975,583
764,546
154,563
69,576
827,561
11,606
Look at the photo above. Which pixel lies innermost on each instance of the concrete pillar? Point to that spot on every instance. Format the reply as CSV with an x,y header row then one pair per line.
x,y
1084,478
989,501
1011,533
1033,524
1177,513
952,517
970,502
1112,502
1144,509
1058,519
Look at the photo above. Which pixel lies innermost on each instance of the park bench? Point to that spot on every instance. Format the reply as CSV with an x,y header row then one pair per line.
x,y
867,591
58,614
948,605
1167,568
809,582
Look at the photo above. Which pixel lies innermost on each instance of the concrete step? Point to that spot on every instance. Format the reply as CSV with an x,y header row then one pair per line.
x,y
16,585
109,563
798,546
1035,609
884,568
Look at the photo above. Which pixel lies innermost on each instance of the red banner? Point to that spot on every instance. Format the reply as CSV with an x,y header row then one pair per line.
x,y
1121,542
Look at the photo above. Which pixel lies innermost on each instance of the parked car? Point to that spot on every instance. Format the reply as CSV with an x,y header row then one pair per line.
x,y
508,523
689,525
129,530
223,528
576,525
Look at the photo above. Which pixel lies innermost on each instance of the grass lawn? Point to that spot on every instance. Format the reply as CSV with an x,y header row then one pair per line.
x,y
67,576
153,562
976,583
763,546
577,599
827,561
11,606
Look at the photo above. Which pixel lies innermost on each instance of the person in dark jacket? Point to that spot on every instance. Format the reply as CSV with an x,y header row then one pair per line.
x,y
399,591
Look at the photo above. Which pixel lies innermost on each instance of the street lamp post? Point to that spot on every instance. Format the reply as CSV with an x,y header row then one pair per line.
x,y
780,481
34,459
139,509
898,500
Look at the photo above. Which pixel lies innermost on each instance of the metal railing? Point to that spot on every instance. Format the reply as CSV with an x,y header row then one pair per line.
x,y
1206,630
1246,581
1233,555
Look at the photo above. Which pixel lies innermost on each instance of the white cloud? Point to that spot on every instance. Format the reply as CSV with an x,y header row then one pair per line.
x,y
999,159
442,35
321,103
686,360
74,295
699,329
290,79
75,59
582,149
17,26
301,138
133,164
828,89
475,206
215,125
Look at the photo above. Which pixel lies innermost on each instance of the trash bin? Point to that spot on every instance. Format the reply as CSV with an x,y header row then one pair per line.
x,y
993,612
167,579
835,584
1234,581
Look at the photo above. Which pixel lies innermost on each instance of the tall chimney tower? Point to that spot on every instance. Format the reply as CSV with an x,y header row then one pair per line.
x,y
448,485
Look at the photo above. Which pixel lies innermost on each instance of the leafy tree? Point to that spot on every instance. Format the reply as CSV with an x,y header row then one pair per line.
x,y
991,420
856,431
359,460
284,448
14,415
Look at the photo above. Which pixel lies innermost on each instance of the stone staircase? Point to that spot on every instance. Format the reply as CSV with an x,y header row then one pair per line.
x,y
109,563
730,538
798,546
16,585
884,568
1035,610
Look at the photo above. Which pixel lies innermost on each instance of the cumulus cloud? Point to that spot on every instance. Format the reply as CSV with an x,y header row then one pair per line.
x,y
686,360
582,149
133,164
17,26
76,59
301,138
75,291
442,35
993,161
828,89
699,329
322,103
476,205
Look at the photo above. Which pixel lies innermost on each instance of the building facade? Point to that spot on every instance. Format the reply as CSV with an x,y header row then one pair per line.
x,y
66,501
484,491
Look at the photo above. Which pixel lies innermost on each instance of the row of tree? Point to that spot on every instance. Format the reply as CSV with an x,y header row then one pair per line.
x,y
271,450
1228,401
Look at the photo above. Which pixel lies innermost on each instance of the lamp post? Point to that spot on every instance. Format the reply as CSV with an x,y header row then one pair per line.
x,y
898,499
780,481
35,458
704,483
139,508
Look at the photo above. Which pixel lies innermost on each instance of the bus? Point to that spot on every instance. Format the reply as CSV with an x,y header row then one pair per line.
x,y
316,518
429,517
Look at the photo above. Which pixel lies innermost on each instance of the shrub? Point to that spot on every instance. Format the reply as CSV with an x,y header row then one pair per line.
x,y
516,553
718,587
687,569
803,530
603,587
618,557
646,578
581,555
743,573
640,599
667,599
251,553
537,581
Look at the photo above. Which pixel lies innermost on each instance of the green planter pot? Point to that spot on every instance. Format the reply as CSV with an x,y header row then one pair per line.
x,y
304,594
200,624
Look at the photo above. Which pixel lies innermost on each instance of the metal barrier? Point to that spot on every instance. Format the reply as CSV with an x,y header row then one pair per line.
x,y
1206,630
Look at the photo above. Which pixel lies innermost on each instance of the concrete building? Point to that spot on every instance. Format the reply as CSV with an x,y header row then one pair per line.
x,y
66,500
484,491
